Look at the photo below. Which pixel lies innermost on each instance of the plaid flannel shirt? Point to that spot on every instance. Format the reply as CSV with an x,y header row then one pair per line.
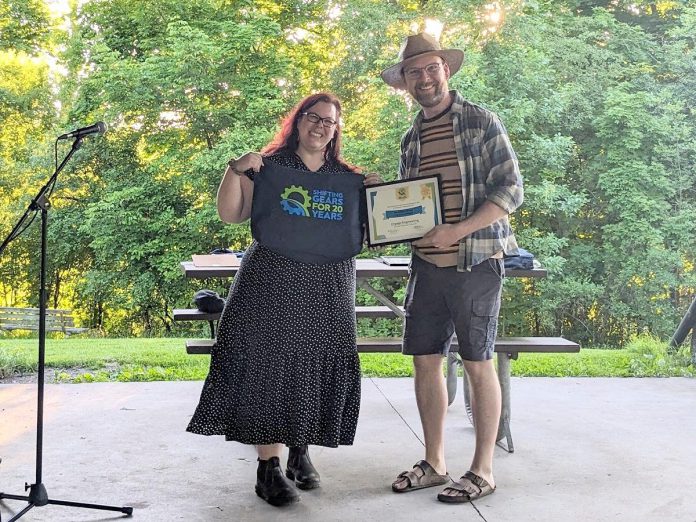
x,y
489,170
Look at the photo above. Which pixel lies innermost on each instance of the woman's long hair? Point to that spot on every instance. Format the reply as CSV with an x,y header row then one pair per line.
x,y
287,138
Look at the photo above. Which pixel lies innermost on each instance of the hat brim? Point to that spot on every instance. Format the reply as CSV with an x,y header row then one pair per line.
x,y
392,75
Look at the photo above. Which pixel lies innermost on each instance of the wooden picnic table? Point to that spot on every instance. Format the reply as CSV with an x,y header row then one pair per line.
x,y
368,269
364,269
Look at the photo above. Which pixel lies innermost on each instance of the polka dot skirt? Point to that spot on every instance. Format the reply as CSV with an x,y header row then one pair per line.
x,y
285,367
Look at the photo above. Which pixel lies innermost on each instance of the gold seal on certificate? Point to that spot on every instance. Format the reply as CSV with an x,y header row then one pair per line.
x,y
404,210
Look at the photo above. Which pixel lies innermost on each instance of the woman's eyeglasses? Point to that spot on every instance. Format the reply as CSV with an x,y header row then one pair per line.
x,y
313,117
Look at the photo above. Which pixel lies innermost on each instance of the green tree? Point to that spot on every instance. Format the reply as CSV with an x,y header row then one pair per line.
x,y
597,98
26,114
180,99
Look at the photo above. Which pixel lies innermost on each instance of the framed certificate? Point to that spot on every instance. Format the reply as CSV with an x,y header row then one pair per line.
x,y
404,210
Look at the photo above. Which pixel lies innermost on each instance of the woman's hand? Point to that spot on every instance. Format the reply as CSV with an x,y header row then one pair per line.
x,y
248,160
372,179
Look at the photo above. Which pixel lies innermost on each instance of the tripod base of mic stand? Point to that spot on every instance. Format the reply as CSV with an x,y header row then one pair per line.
x,y
38,497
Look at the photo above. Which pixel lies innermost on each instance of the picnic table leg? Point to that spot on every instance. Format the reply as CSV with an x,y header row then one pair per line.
x,y
365,285
504,379
453,363
467,398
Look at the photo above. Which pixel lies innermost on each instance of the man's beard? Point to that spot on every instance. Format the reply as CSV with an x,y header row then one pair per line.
x,y
432,98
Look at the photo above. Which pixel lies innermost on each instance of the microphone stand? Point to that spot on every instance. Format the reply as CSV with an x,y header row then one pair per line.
x,y
37,492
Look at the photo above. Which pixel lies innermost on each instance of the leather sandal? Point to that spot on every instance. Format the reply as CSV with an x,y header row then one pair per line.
x,y
272,486
469,487
423,475
300,468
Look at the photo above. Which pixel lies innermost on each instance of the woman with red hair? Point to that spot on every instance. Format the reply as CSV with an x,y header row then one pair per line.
x,y
285,368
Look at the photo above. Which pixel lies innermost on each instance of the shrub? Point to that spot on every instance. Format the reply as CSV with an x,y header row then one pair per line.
x,y
651,357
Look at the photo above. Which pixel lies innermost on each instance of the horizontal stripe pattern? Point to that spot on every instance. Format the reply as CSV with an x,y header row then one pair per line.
x,y
438,156
487,167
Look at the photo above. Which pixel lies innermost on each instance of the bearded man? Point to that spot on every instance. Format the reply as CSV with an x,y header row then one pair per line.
x,y
457,270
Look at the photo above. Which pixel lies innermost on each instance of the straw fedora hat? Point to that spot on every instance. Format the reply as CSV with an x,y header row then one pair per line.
x,y
419,45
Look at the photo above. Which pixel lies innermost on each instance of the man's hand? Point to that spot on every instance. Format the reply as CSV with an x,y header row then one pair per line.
x,y
449,234
440,236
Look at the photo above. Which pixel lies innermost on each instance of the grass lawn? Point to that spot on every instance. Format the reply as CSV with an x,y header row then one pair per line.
x,y
88,360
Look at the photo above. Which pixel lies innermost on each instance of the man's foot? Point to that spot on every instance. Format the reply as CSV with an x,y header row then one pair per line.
x,y
423,475
469,487
272,486
300,468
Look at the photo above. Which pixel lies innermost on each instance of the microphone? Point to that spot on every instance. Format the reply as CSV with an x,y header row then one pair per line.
x,y
97,128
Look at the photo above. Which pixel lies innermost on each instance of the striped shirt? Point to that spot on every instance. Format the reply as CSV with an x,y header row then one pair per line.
x,y
438,156
488,170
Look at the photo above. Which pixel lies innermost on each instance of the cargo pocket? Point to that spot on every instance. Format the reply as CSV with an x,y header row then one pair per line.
x,y
484,323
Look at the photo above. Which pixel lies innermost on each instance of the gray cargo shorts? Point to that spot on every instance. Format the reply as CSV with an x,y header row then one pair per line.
x,y
441,301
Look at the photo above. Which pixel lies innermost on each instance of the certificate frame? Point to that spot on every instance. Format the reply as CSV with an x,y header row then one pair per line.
x,y
404,210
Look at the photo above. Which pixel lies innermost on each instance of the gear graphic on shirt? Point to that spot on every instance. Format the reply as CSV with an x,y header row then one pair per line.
x,y
297,205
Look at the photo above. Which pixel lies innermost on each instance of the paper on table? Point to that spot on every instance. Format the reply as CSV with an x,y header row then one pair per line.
x,y
395,260
216,260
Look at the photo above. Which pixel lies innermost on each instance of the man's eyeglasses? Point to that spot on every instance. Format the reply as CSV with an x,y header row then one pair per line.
x,y
313,117
413,73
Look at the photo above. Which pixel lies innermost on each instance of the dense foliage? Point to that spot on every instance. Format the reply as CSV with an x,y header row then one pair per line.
x,y
597,98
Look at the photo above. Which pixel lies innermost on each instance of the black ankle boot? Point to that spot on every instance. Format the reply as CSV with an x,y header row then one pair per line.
x,y
300,468
272,486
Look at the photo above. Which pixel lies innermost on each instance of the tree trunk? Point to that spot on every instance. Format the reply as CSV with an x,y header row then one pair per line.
x,y
97,315
100,315
56,289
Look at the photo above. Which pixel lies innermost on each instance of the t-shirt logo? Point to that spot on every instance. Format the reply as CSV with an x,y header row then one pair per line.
x,y
319,204
295,201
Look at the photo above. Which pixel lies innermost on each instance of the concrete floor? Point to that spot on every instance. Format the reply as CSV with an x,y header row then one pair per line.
x,y
586,449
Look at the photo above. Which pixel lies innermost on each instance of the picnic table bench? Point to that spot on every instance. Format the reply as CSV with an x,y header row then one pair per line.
x,y
507,348
57,320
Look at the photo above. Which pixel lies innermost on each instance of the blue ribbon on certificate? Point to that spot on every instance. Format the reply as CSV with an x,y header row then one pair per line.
x,y
391,214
